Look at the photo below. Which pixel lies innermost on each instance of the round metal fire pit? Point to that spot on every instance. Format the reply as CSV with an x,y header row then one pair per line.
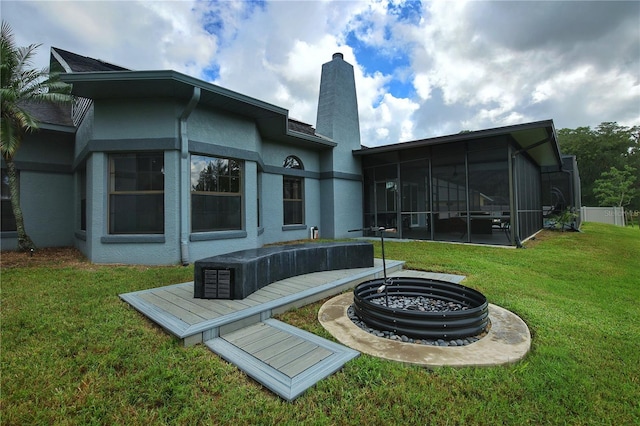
x,y
470,319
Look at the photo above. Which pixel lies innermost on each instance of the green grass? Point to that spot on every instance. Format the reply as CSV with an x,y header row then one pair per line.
x,y
73,353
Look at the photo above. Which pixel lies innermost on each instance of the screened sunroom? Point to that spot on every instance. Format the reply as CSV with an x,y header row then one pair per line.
x,y
480,187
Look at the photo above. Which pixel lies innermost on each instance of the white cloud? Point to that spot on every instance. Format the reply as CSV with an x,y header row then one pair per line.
x,y
469,65
422,84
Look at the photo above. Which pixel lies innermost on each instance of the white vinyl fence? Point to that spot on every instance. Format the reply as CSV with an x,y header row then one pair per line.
x,y
610,215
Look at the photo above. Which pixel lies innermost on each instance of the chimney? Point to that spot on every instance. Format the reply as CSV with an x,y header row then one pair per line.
x,y
340,170
338,108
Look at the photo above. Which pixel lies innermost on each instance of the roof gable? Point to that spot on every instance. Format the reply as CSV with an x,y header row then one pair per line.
x,y
65,61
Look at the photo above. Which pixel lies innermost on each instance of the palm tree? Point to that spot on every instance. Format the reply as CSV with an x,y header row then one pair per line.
x,y
22,85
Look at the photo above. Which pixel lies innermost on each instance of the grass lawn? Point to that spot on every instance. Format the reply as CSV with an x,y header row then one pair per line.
x,y
73,353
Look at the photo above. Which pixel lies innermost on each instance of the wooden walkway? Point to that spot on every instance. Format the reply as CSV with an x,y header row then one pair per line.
x,y
283,358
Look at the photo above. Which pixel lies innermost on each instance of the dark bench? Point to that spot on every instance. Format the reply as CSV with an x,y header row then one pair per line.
x,y
236,275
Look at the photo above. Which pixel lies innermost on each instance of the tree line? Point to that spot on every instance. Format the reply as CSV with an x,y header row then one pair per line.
x,y
608,159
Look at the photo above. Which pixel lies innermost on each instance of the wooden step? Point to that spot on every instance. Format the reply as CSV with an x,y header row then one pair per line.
x,y
283,358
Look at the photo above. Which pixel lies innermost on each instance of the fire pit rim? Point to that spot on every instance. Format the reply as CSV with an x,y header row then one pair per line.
x,y
422,324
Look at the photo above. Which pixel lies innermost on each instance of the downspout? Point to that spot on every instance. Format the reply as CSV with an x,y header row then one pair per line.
x,y
185,178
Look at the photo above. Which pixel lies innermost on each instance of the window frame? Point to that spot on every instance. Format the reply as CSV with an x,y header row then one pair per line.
x,y
113,192
293,163
218,194
7,207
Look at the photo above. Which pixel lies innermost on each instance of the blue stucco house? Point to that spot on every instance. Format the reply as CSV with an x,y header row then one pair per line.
x,y
156,167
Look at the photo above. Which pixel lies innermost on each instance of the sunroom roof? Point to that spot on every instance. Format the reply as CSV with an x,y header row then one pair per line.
x,y
538,139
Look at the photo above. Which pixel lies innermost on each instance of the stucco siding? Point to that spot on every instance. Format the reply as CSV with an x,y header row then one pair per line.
x,y
274,154
347,208
48,210
209,126
136,118
45,149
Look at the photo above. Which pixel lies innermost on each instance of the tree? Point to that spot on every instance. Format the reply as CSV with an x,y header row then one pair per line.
x,y
616,187
20,86
597,150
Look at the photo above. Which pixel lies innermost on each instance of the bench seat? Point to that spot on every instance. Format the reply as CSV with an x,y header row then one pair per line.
x,y
238,274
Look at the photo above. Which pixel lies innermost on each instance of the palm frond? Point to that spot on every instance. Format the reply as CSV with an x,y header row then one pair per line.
x,y
22,84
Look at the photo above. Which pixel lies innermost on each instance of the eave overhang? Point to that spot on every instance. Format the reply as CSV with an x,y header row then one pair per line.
x,y
56,128
538,139
272,121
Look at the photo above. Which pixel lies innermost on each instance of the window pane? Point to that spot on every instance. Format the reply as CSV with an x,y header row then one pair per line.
x,y
83,200
216,194
234,184
293,199
8,220
223,184
292,162
293,212
210,174
139,214
124,172
138,172
136,200
215,213
234,168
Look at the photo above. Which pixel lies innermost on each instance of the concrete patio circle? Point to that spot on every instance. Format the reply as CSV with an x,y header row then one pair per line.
x,y
507,342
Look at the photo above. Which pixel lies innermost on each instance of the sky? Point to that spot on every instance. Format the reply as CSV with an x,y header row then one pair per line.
x,y
422,69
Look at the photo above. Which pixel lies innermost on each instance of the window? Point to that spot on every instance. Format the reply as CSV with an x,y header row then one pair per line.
x,y
293,193
83,200
8,220
216,194
136,193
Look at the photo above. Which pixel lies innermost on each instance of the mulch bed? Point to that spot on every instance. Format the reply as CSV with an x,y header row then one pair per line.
x,y
51,257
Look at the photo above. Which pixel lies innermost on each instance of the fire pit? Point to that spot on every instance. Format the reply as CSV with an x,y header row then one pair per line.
x,y
421,308
418,307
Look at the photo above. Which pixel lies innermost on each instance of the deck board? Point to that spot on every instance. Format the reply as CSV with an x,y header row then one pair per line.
x,y
273,338
242,339
172,308
302,348
274,351
187,304
259,298
302,363
187,294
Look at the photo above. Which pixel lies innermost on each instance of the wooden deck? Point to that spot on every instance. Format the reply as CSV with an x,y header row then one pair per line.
x,y
283,358
196,320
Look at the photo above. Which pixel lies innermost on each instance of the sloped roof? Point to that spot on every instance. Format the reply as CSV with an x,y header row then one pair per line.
x,y
49,113
538,139
72,62
63,61
299,126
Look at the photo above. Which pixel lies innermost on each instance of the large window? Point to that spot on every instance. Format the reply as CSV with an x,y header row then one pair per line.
x,y
8,220
293,193
216,194
136,193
